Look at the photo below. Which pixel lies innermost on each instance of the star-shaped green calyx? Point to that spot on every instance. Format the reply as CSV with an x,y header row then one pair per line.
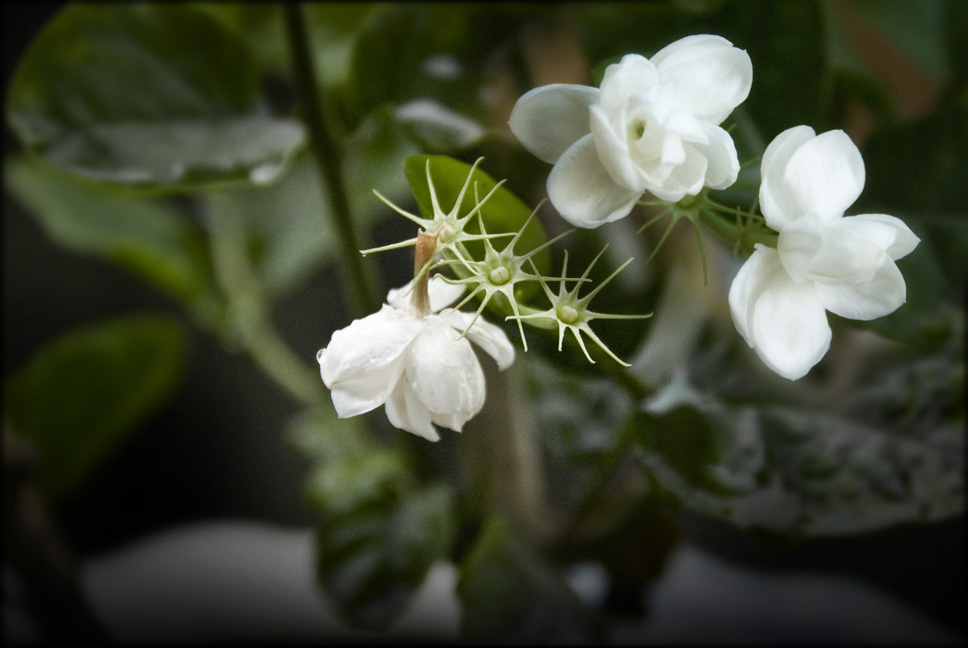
x,y
570,312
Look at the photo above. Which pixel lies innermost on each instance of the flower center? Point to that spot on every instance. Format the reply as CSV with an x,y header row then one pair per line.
x,y
567,314
637,128
446,233
499,275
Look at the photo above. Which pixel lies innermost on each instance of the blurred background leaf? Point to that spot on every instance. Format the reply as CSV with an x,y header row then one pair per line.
x,y
510,595
379,531
147,96
79,397
147,236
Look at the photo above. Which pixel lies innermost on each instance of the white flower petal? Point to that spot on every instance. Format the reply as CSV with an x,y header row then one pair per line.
x,y
880,296
685,179
582,190
549,119
359,396
851,251
776,201
904,240
613,152
747,286
825,175
720,153
489,337
365,354
707,75
789,326
632,75
444,373
406,412
799,244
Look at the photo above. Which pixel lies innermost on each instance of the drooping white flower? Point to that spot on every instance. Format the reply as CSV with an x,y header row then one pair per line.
x,y
417,365
652,126
823,261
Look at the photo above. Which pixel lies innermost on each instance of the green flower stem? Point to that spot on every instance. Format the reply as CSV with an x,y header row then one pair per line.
x,y
726,228
362,295
249,323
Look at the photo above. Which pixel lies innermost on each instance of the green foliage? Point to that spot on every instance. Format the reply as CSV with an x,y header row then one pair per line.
x,y
80,396
147,96
379,530
146,236
891,451
511,596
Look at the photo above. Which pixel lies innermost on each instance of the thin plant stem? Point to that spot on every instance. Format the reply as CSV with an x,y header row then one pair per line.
x,y
361,297
249,315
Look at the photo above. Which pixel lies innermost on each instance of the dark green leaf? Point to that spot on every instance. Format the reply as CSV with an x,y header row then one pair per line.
x,y
78,397
379,530
389,59
147,96
509,595
374,557
145,235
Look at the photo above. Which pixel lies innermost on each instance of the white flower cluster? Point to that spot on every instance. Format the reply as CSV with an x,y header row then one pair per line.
x,y
822,261
653,126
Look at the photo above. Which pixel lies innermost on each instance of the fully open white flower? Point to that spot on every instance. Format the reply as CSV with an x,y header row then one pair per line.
x,y
652,126
417,365
823,261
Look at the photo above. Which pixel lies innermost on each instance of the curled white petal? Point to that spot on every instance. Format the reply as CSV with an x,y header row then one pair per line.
x,y
825,175
549,119
614,154
720,153
633,74
489,337
748,285
582,190
444,373
904,240
852,251
685,179
881,295
363,361
788,326
406,412
708,77
776,201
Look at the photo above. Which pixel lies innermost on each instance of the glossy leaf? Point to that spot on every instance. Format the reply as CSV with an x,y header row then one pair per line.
x,y
148,96
372,559
890,452
147,236
80,396
510,596
389,58
379,531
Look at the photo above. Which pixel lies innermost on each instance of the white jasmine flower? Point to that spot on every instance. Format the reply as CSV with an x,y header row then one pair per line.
x,y
653,126
418,365
823,261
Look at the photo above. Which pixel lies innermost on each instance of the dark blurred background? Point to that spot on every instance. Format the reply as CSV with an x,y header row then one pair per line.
x,y
216,450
